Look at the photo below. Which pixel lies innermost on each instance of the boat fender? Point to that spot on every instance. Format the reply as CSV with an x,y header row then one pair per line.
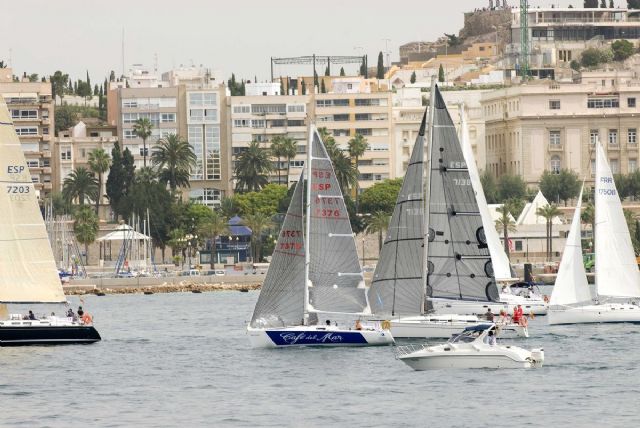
x,y
386,325
86,319
546,298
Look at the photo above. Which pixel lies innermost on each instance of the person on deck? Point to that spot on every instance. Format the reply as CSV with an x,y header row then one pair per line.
x,y
517,315
358,325
491,339
31,315
489,315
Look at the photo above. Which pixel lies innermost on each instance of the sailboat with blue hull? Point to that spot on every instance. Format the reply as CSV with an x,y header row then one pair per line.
x,y
314,269
28,274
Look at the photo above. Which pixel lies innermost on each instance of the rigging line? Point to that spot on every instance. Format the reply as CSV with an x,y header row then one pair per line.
x,y
396,278
401,240
395,270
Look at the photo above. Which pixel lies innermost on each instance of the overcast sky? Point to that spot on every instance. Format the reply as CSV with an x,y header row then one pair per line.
x,y
41,36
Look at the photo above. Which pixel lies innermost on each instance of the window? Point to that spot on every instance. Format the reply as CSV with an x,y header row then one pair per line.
x,y
631,102
554,138
207,196
167,117
341,117
378,147
633,165
24,114
268,108
613,137
31,130
144,151
130,103
518,245
295,122
333,103
196,114
241,123
45,130
603,103
296,163
65,153
632,136
242,109
211,114
593,167
210,99
555,164
258,123
554,104
594,136
195,99
129,134
615,166
301,149
371,102
295,108
33,163
363,116
364,131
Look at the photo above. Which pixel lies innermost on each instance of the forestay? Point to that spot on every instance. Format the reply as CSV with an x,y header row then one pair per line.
x,y
337,283
281,300
571,282
27,269
459,264
617,273
397,287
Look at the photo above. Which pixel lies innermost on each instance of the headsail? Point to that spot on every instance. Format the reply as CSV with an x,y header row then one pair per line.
x,y
501,266
617,273
281,301
27,269
571,283
336,280
397,287
459,264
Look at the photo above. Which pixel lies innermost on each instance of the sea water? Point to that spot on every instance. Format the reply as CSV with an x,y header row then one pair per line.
x,y
184,360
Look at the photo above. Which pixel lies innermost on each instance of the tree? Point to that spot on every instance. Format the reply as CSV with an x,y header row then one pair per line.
x,y
128,171
323,88
363,68
380,68
510,187
622,49
357,147
441,76
99,162
142,127
289,151
229,207
381,197
277,150
378,223
175,159
453,40
575,65
65,118
327,71
258,223
79,184
212,228
252,167
593,4
593,56
589,216
86,228
266,201
303,86
490,187
58,84
549,212
413,77
611,5
88,81
506,224
342,71
562,186
112,76
633,4
603,4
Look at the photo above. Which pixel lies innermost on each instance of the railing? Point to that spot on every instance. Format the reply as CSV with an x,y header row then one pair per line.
x,y
403,350
583,20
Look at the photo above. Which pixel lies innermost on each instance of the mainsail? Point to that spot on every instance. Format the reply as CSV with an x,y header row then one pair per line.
x,y
397,287
571,283
281,301
499,260
336,280
617,273
28,271
459,264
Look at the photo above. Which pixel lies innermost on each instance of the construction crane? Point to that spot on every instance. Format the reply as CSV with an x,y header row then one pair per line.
x,y
524,39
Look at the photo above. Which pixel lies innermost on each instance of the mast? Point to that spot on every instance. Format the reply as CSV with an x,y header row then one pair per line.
x,y
427,191
307,226
595,223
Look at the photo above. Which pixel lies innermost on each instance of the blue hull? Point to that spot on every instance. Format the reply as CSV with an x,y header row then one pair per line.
x,y
316,338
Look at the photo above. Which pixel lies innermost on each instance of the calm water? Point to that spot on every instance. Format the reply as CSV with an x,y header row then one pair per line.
x,y
184,360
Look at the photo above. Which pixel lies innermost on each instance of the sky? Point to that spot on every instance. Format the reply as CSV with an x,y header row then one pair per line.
x,y
240,36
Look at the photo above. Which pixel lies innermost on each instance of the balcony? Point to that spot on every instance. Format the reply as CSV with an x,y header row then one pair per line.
x,y
556,147
46,154
48,186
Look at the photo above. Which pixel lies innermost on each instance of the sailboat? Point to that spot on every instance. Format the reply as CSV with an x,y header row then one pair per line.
x,y
417,268
314,269
617,274
28,272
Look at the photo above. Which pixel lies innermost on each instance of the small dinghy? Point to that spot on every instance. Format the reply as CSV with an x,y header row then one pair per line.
x,y
474,348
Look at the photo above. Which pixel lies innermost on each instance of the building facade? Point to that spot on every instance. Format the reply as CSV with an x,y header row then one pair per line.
x,y
31,108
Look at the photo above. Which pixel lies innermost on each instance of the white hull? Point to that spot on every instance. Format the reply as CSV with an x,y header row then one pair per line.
x,y
501,359
479,308
324,336
604,313
443,326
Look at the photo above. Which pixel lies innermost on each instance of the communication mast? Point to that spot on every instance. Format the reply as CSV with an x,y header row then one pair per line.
x,y
524,39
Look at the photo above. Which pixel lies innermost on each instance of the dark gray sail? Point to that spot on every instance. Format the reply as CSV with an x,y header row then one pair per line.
x,y
397,287
459,263
281,300
337,283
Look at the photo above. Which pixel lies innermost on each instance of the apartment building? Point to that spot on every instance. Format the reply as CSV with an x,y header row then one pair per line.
x,y
32,111
547,125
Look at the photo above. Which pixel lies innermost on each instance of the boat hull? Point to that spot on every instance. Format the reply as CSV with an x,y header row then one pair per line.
x,y
316,336
465,362
47,335
589,314
434,327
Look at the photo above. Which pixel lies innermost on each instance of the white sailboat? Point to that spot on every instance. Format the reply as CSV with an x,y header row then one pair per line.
x,y
450,261
28,272
617,274
314,269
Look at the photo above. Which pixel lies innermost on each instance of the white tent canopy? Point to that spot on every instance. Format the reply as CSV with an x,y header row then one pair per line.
x,y
529,216
122,232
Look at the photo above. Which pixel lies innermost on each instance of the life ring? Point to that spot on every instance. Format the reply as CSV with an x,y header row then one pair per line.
x,y
386,325
86,319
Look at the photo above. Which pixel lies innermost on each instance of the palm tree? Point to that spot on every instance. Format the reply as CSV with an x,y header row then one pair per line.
x,y
79,184
99,162
212,228
289,152
357,146
142,128
378,222
174,159
85,228
589,216
228,207
277,150
506,224
146,175
252,167
257,222
549,211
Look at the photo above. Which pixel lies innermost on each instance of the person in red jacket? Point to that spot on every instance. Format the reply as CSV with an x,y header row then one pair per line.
x,y
517,314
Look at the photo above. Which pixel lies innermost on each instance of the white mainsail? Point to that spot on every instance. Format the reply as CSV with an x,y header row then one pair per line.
x,y
499,259
617,273
571,283
28,271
